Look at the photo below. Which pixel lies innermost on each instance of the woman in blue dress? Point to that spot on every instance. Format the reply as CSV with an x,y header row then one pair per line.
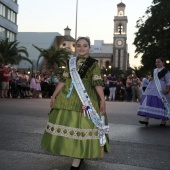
x,y
151,105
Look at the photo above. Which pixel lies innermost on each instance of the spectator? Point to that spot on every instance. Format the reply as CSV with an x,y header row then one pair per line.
x,y
52,78
33,85
106,87
38,85
112,86
5,82
1,75
129,88
120,91
135,88
145,82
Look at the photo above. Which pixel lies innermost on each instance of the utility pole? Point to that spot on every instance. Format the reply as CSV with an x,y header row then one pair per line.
x,y
76,27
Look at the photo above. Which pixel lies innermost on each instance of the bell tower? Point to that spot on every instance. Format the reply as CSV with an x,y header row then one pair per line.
x,y
120,54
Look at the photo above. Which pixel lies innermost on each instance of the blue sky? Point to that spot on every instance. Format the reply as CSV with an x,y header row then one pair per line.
x,y
95,18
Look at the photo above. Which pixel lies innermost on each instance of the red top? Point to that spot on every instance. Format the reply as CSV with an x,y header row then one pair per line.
x,y
4,77
1,75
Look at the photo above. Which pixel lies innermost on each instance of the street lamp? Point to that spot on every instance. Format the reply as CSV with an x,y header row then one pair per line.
x,y
76,20
168,64
110,69
76,27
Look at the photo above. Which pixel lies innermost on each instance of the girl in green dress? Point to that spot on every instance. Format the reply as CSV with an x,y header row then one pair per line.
x,y
68,131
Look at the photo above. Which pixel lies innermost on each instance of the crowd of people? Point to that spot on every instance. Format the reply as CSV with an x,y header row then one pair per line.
x,y
127,89
78,125
18,83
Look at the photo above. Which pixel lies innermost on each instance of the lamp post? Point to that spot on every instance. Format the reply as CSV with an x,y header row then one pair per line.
x,y
167,64
110,69
76,26
76,20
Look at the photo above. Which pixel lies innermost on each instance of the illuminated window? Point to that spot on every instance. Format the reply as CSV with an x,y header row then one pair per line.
x,y
120,13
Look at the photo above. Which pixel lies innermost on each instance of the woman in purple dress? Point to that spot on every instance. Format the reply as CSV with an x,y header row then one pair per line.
x,y
151,105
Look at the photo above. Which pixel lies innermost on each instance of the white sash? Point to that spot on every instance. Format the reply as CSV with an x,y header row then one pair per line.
x,y
87,104
163,97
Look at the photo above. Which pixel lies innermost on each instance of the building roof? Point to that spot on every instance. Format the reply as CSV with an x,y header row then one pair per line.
x,y
69,38
121,5
60,40
67,28
39,39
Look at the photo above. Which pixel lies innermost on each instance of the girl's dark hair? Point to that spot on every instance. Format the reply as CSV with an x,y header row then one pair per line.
x,y
33,75
161,58
84,38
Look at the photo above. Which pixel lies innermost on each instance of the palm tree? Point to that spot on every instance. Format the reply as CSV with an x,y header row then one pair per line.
x,y
10,53
53,57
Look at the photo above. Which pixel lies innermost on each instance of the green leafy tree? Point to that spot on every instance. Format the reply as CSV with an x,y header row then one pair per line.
x,y
10,53
53,58
117,72
153,36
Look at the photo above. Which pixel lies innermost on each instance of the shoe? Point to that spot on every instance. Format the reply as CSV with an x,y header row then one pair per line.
x,y
76,168
163,124
143,122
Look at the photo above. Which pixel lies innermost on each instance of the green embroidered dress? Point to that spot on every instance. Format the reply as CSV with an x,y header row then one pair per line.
x,y
68,132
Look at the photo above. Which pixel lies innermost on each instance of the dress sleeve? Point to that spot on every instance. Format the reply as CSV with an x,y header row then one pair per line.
x,y
65,75
167,78
96,76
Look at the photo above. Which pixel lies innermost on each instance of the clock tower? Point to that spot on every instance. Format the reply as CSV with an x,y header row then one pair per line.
x,y
120,54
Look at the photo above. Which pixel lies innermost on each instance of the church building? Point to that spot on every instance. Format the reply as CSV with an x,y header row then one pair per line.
x,y
114,55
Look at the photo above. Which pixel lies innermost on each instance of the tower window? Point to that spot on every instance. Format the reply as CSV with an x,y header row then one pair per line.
x,y
120,28
120,13
64,44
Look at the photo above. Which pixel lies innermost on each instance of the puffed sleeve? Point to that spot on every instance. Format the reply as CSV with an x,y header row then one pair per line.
x,y
65,75
96,75
167,78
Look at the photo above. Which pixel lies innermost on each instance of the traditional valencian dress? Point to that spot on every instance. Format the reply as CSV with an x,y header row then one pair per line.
x,y
151,104
68,132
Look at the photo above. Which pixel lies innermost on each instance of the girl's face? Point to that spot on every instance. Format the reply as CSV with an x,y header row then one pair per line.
x,y
82,47
159,63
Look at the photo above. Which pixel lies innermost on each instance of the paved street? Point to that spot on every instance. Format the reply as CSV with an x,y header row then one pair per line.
x,y
133,146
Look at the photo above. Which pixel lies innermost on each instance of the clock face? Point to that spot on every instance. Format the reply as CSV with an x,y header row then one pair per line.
x,y
119,42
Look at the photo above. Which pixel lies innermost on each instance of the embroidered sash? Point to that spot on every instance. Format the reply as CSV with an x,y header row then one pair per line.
x,y
163,97
87,104
83,69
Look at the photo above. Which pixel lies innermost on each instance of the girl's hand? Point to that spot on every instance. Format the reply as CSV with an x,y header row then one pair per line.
x,y
103,107
165,91
150,78
52,101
